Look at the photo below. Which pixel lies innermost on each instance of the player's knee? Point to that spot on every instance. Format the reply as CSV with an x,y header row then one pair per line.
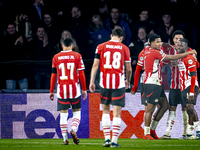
x,y
172,108
190,111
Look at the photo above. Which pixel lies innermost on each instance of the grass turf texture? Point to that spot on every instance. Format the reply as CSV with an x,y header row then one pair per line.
x,y
96,144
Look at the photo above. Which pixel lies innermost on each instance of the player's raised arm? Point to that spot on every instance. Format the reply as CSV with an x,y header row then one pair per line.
x,y
93,74
179,56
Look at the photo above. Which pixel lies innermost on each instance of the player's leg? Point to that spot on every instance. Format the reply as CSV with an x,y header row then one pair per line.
x,y
106,123
163,107
116,124
118,101
191,114
64,126
63,106
76,107
174,100
197,125
185,121
148,115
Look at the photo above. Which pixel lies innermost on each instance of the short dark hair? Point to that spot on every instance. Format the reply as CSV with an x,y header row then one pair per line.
x,y
178,32
118,32
67,42
149,35
185,41
153,38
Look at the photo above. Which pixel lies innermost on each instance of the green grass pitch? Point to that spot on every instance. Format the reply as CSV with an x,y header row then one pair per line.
x,y
96,144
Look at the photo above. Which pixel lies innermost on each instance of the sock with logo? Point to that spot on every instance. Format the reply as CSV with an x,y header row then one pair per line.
x,y
116,129
170,122
185,122
76,120
63,125
106,126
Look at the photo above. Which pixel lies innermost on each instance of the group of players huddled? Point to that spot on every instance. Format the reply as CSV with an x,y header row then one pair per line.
x,y
114,61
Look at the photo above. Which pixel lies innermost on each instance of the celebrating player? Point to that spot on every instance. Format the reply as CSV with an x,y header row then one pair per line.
x,y
175,93
162,104
152,78
112,57
189,88
69,68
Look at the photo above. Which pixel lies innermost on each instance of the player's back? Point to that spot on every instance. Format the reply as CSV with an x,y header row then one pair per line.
x,y
67,64
113,54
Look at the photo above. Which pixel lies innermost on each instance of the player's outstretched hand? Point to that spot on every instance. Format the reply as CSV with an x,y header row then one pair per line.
x,y
92,87
51,96
84,94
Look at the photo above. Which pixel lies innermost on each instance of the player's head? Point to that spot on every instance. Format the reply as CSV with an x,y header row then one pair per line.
x,y
177,35
149,36
67,44
118,33
182,45
155,41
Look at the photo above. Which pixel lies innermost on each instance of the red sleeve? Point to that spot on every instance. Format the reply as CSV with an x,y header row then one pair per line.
x,y
82,79
136,78
197,64
192,87
192,68
52,82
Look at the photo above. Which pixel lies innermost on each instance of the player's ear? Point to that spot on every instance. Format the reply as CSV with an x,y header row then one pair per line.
x,y
111,36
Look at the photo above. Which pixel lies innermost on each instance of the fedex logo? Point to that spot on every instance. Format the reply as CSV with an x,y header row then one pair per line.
x,y
34,116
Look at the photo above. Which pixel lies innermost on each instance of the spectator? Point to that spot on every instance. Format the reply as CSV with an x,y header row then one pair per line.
x,y
66,34
16,49
41,50
116,20
141,22
78,27
96,35
23,25
103,10
137,47
166,28
36,13
51,29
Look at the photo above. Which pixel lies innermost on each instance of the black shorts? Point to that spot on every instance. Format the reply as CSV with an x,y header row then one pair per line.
x,y
175,97
153,93
184,94
142,94
65,104
113,96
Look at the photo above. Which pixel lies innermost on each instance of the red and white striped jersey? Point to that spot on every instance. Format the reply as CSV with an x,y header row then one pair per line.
x,y
175,81
152,69
113,55
186,66
67,64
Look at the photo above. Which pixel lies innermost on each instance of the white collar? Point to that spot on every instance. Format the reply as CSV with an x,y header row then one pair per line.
x,y
114,41
66,51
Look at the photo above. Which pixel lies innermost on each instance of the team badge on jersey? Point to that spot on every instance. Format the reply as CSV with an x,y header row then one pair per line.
x,y
141,58
190,61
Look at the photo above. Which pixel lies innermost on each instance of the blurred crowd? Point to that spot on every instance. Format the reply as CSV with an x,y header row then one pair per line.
x,y
31,31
